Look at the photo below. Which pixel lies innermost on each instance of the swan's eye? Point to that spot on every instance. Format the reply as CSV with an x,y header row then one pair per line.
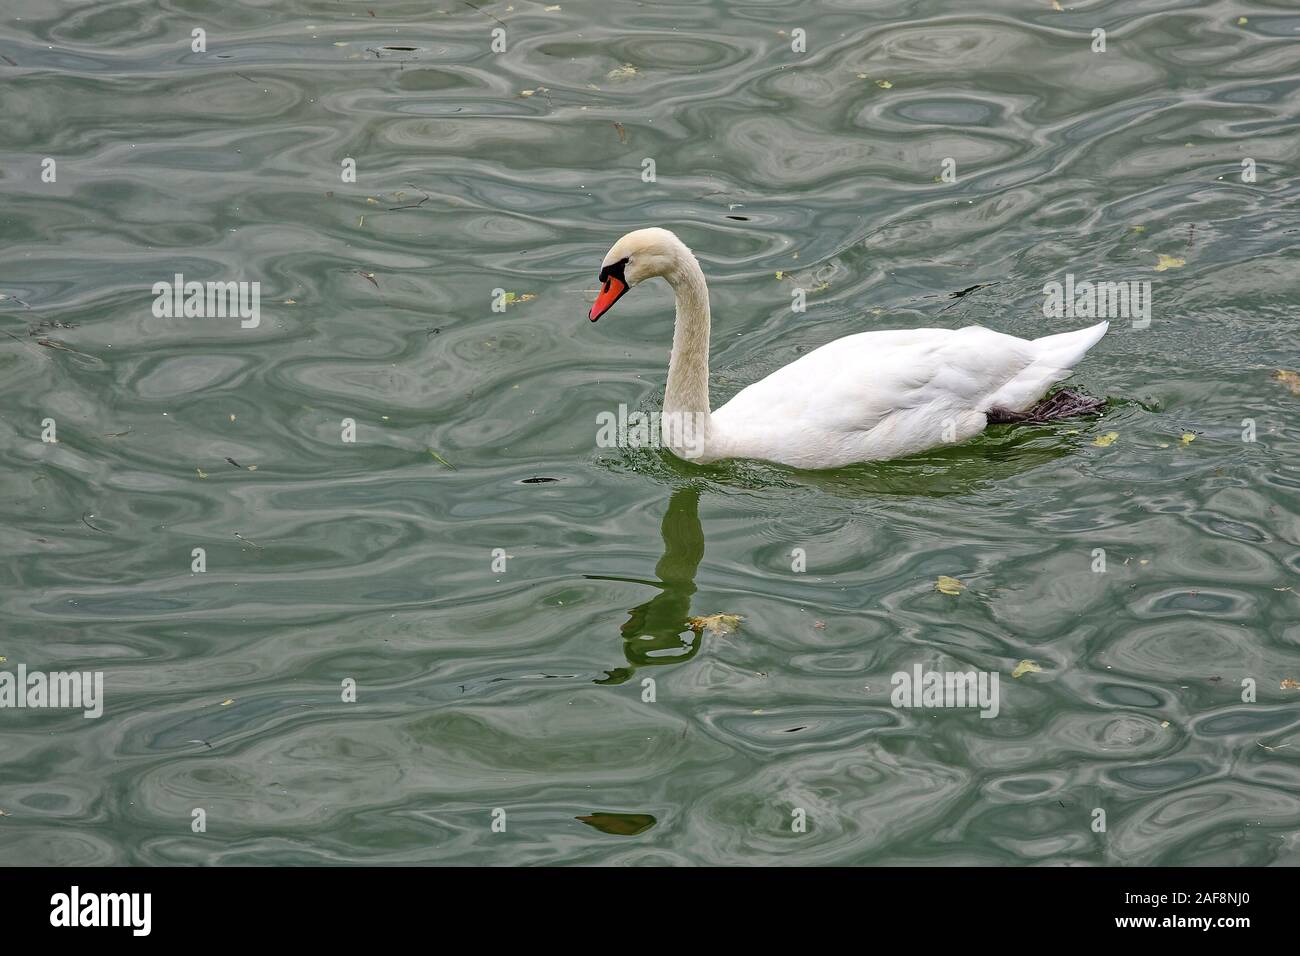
x,y
615,270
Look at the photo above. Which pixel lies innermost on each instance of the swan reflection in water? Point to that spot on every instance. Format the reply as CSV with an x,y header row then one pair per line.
x,y
656,632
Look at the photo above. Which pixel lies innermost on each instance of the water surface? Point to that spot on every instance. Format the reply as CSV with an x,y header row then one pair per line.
x,y
523,689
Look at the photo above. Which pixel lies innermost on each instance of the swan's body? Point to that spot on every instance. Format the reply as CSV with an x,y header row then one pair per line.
x,y
864,397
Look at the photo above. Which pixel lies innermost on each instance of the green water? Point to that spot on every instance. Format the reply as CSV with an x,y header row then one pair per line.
x,y
522,689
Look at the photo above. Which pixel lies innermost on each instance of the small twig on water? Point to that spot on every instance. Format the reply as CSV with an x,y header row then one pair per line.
x,y
965,292
413,205
59,346
91,526
484,12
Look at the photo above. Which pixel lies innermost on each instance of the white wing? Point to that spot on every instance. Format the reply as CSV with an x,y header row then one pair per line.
x,y
886,394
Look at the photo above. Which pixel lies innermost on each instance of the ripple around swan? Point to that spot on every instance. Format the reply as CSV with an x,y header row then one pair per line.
x,y
513,601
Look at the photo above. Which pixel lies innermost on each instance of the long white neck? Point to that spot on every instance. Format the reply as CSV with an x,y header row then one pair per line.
x,y
688,367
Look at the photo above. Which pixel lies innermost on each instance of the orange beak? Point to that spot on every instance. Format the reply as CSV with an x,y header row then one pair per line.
x,y
613,290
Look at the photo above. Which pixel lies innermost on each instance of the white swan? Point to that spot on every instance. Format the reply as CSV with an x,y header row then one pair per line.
x,y
864,397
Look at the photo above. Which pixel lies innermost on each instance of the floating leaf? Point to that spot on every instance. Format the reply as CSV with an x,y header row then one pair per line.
x,y
716,624
1164,724
1056,5
779,273
1242,21
1026,667
947,585
1188,438
438,458
227,702
1169,262
1290,379
1106,440
619,824
884,84
511,298
1290,684
202,473
622,73
1139,228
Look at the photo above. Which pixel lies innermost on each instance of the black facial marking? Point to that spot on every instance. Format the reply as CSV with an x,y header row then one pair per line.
x,y
615,270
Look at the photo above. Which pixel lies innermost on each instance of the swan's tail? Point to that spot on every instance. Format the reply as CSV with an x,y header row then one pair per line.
x,y
1054,358
1065,350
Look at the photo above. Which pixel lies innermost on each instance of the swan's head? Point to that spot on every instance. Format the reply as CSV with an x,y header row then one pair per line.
x,y
638,256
